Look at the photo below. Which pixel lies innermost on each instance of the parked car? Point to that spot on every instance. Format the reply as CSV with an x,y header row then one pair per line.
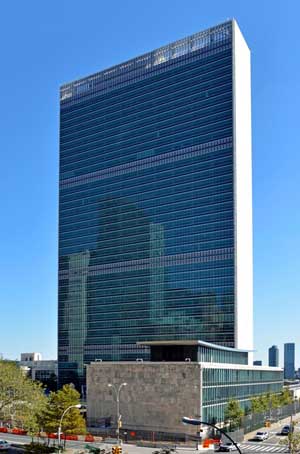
x,y
225,447
4,445
261,436
285,430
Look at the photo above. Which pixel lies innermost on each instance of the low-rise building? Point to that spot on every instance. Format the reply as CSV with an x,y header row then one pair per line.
x,y
44,371
183,378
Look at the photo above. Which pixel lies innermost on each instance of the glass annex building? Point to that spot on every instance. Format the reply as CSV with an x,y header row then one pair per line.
x,y
155,238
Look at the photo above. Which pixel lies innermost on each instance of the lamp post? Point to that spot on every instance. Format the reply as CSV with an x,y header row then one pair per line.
x,y
61,420
117,392
197,422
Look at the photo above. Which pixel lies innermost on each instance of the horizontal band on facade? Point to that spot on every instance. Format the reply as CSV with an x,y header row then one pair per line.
x,y
153,161
157,262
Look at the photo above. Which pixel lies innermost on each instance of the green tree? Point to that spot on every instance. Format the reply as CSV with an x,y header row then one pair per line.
x,y
21,399
233,414
292,442
285,397
257,405
275,400
58,402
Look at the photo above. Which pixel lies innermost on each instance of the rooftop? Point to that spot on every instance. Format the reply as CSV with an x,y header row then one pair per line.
x,y
132,70
191,342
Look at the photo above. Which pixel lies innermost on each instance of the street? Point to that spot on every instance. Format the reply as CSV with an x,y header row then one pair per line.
x,y
271,445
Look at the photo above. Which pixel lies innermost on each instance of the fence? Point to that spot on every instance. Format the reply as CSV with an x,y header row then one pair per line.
x,y
256,420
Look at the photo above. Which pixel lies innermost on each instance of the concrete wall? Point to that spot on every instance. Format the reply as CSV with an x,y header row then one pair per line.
x,y
156,397
242,192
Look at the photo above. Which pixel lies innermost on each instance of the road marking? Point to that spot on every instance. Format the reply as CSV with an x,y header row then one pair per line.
x,y
264,448
251,447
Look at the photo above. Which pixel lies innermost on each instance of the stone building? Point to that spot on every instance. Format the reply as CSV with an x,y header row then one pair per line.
x,y
198,382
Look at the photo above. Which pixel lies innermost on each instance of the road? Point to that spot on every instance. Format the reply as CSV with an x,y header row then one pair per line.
x,y
271,445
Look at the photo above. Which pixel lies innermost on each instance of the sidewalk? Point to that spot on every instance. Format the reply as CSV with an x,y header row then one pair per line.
x,y
274,426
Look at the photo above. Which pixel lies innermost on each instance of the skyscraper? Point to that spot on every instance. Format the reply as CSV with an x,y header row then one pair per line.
x,y
257,362
289,360
155,202
274,356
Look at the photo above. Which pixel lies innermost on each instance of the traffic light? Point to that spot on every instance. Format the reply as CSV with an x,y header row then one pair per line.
x,y
116,450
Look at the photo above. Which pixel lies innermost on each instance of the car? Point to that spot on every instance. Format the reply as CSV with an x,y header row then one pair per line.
x,y
225,447
4,445
285,430
261,436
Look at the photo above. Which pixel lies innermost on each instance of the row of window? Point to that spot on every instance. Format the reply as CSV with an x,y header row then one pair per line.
x,y
150,165
184,138
122,128
224,393
153,240
214,377
144,117
221,304
145,276
145,233
147,188
95,318
214,101
127,253
171,264
140,287
144,162
212,355
113,220
175,178
121,269
182,332
162,124
118,213
84,108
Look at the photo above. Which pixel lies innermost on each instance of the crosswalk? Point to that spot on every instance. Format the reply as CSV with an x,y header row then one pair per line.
x,y
262,448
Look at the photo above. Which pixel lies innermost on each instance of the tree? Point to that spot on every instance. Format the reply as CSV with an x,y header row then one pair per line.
x,y
285,397
265,402
292,441
233,414
21,399
58,402
257,405
275,400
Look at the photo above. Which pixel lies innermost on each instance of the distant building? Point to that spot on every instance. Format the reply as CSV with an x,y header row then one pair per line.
x,y
289,360
258,362
31,356
294,389
274,356
44,371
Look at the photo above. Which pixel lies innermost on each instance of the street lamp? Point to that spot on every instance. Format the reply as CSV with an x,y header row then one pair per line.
x,y
197,422
117,392
60,422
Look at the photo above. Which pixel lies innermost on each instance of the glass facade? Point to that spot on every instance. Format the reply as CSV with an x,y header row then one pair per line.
x,y
146,204
274,356
214,355
289,361
221,385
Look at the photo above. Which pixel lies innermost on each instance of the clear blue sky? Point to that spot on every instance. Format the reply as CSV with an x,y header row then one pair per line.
x,y
47,43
